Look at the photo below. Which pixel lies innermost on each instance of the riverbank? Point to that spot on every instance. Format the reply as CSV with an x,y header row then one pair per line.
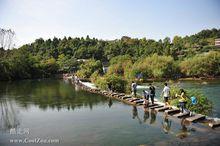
x,y
67,75
184,79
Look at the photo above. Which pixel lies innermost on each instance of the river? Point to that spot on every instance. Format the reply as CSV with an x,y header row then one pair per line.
x,y
55,112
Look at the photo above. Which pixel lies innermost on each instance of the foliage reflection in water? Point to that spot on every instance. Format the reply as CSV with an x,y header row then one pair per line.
x,y
77,117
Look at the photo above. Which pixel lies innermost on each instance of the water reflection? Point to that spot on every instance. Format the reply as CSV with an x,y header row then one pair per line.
x,y
152,114
53,94
110,102
166,124
146,115
135,114
77,87
9,115
58,95
184,131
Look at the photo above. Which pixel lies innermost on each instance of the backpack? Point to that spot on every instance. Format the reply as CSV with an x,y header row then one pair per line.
x,y
193,100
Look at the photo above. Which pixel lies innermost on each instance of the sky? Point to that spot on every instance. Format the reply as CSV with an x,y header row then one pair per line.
x,y
107,19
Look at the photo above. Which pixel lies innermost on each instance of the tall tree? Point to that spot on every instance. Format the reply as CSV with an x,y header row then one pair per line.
x,y
6,38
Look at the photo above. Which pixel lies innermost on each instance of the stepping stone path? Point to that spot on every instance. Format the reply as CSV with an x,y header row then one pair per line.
x,y
139,101
162,109
214,124
152,105
195,118
126,97
113,94
156,106
182,115
172,111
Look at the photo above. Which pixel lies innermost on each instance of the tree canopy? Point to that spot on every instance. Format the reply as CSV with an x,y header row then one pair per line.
x,y
43,58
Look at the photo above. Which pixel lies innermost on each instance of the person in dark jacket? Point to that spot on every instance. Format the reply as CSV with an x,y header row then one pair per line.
x,y
152,93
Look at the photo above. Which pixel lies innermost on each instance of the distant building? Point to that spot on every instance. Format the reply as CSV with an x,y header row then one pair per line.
x,y
82,60
105,67
217,42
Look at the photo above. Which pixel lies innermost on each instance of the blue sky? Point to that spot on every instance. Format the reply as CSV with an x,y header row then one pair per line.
x,y
107,19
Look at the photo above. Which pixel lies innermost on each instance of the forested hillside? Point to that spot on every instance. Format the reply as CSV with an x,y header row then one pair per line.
x,y
45,57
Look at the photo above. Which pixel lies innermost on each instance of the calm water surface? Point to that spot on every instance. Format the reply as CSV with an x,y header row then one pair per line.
x,y
57,110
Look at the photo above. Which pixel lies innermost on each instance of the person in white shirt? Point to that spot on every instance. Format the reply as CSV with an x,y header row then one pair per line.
x,y
146,98
146,94
166,93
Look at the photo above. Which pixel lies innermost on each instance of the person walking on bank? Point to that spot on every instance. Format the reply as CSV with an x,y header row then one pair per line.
x,y
134,88
166,94
152,93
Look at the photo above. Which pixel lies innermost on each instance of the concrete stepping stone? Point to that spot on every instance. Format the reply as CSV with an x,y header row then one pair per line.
x,y
128,99
156,106
139,101
125,97
121,94
195,118
182,115
113,94
172,111
162,109
214,124
104,91
133,99
151,105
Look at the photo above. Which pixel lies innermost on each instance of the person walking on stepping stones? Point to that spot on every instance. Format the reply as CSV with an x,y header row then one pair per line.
x,y
182,100
166,94
152,93
146,98
134,88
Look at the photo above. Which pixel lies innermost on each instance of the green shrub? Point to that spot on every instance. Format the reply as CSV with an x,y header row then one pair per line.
x,y
88,68
204,65
95,76
117,83
120,65
203,106
154,66
50,66
101,83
